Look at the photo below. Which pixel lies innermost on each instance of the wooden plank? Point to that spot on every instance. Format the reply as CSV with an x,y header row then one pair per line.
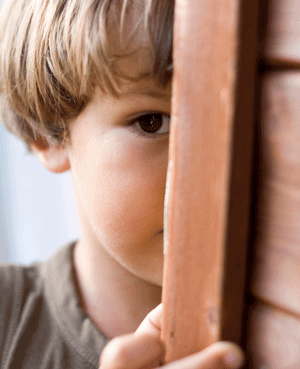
x,y
277,253
282,37
208,187
273,338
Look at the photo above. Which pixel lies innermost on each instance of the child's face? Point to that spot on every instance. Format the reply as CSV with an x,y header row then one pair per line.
x,y
118,154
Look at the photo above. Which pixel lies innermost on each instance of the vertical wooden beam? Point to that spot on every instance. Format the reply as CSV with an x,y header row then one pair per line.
x,y
207,201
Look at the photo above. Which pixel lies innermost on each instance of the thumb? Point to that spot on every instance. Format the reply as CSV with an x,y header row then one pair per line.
x,y
142,349
151,325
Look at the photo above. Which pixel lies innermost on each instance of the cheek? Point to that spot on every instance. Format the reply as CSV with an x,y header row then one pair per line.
x,y
124,189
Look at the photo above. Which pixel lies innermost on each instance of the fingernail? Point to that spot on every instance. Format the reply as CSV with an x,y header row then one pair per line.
x,y
234,359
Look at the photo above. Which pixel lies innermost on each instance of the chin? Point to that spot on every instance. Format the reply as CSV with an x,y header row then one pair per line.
x,y
149,267
151,272
155,276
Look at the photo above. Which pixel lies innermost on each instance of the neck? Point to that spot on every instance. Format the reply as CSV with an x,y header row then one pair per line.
x,y
115,299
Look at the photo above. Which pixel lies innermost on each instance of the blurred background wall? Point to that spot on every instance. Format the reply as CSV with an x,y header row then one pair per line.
x,y
37,208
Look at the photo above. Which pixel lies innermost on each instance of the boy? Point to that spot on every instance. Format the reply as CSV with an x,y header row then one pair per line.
x,y
86,85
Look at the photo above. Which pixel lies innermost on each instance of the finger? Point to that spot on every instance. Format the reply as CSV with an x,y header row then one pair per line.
x,y
221,355
131,351
151,325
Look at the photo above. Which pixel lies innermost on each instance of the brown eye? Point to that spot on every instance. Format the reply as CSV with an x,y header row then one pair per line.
x,y
153,123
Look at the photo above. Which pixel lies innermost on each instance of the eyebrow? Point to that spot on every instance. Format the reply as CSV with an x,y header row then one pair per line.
x,y
152,93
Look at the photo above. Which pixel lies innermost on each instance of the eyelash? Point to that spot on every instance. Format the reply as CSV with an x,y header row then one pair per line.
x,y
136,124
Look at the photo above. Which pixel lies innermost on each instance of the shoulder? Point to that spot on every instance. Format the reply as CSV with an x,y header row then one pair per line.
x,y
24,301
13,275
18,285
19,281
16,282
21,285
41,320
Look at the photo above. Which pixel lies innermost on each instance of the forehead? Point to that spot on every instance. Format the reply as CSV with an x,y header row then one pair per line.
x,y
129,40
128,18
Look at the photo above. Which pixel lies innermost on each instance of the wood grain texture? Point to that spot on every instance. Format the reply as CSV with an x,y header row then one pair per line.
x,y
209,174
277,254
273,339
282,38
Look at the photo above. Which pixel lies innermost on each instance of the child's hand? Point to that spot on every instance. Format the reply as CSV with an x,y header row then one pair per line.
x,y
143,350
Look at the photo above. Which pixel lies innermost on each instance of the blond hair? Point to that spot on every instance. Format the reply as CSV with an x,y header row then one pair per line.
x,y
53,53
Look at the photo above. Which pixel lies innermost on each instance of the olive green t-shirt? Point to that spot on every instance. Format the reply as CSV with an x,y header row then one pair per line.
x,y
41,323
